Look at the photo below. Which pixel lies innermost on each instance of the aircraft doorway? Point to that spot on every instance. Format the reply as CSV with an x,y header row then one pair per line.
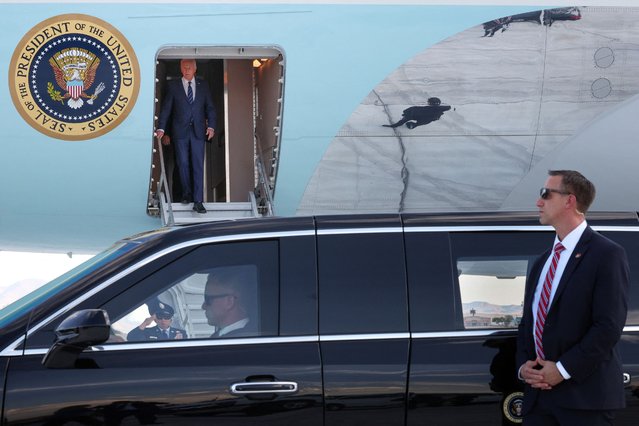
x,y
240,167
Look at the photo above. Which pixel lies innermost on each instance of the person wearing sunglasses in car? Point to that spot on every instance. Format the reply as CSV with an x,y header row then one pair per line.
x,y
225,305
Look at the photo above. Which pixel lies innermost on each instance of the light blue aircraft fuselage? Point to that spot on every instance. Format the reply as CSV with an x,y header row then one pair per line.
x,y
363,124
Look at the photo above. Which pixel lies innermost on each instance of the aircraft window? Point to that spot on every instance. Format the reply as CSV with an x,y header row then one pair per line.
x,y
217,291
492,291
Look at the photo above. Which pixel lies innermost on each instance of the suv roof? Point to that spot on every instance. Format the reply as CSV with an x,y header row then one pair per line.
x,y
178,233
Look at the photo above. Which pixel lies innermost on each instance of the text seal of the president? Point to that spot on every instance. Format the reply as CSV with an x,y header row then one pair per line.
x,y
74,77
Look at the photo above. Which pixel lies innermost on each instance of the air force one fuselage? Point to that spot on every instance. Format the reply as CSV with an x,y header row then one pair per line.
x,y
323,107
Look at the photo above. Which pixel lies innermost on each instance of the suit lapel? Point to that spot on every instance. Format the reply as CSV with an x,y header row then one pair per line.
x,y
198,92
180,88
531,285
573,262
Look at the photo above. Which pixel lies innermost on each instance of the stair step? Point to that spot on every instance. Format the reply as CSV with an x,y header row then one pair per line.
x,y
184,214
237,206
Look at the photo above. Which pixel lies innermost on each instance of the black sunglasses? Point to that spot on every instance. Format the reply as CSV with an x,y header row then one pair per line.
x,y
544,193
209,298
163,317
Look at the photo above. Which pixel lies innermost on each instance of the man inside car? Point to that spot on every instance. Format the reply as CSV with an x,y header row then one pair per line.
x,y
225,301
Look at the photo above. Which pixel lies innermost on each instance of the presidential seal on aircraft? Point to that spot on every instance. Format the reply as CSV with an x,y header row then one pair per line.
x,y
74,77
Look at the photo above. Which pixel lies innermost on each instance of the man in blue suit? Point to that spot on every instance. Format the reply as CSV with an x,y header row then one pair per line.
x,y
575,309
189,104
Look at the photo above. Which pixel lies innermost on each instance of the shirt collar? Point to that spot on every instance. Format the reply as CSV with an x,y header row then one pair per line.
x,y
570,241
236,325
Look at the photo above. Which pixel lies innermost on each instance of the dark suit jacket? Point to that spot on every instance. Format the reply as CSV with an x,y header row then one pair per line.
x,y
152,333
583,325
176,107
249,330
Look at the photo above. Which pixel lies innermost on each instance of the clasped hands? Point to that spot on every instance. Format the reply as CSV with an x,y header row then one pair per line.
x,y
541,374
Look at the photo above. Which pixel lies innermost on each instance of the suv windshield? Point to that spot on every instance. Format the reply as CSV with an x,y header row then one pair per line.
x,y
43,293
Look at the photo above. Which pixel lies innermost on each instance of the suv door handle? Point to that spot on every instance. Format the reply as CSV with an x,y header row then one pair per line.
x,y
250,388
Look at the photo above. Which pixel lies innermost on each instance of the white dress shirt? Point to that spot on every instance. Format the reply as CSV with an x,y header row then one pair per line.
x,y
185,85
569,243
236,325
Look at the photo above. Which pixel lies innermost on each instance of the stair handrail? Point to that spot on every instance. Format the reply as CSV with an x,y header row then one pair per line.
x,y
164,193
262,180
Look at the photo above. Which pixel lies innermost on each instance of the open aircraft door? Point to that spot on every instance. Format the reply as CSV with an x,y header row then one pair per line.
x,y
247,85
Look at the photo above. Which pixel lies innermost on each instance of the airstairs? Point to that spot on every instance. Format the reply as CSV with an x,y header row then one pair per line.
x,y
181,214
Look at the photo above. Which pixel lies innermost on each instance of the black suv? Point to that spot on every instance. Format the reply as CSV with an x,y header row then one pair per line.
x,y
378,320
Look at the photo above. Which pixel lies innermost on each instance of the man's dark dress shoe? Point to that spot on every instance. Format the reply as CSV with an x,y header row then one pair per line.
x,y
198,207
186,200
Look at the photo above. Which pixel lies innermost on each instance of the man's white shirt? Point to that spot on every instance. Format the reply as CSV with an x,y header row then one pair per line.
x,y
185,86
569,242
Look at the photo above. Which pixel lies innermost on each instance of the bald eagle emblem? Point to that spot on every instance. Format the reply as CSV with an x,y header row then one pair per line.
x,y
74,71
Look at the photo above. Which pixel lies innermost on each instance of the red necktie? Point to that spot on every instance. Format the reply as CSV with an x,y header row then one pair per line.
x,y
544,300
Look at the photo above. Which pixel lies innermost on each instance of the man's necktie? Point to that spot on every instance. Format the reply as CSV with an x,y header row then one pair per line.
x,y
544,300
166,334
189,93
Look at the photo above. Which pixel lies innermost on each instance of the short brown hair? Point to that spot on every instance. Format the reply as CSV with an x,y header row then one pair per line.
x,y
577,184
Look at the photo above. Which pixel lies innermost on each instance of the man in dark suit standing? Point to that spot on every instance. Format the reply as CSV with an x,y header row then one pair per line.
x,y
189,104
162,315
574,312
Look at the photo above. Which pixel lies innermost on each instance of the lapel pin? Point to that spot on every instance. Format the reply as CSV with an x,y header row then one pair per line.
x,y
578,255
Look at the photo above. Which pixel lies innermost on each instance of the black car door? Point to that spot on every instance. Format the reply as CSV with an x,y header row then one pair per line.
x,y
363,320
629,345
466,295
271,373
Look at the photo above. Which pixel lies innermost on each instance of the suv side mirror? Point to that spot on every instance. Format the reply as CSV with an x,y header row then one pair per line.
x,y
76,333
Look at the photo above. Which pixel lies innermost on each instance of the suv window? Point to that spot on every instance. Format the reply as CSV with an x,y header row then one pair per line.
x,y
219,290
430,277
362,283
469,280
492,290
490,275
630,242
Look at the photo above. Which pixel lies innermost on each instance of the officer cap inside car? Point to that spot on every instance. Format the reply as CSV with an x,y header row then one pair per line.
x,y
162,310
